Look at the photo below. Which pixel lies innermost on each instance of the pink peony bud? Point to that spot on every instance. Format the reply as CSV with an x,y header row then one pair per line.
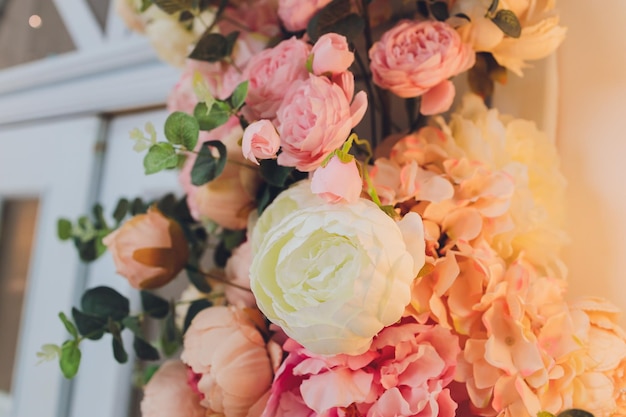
x,y
331,54
149,250
337,181
260,140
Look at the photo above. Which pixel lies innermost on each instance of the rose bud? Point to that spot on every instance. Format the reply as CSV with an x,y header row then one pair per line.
x,y
149,250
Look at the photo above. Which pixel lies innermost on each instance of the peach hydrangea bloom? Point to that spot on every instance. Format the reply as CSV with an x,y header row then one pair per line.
x,y
405,372
167,394
225,348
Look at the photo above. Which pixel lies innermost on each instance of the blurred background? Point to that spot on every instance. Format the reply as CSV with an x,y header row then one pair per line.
x,y
74,81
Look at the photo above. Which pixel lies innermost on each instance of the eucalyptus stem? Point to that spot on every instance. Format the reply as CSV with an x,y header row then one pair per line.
x,y
217,278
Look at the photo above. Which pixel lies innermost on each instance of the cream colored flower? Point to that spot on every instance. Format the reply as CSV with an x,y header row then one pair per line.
x,y
171,40
333,275
540,36
519,149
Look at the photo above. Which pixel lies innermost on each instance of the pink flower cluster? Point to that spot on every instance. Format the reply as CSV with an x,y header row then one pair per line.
x,y
405,372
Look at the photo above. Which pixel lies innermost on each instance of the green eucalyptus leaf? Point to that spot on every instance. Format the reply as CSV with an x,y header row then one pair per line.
x,y
207,167
70,358
439,10
154,305
121,209
233,238
144,350
133,324
138,207
422,8
160,156
105,302
69,326
64,229
119,352
182,129
98,214
149,372
273,173
173,6
238,98
213,47
508,23
198,279
194,308
91,327
336,17
218,115
170,335
144,5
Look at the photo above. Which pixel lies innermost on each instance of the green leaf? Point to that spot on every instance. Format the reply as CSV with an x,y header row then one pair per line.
x,y
218,115
545,414
336,17
138,207
508,23
194,308
48,353
273,173
119,353
170,335
493,7
70,358
144,5
238,98
214,47
145,350
69,326
121,209
64,229
149,372
154,305
160,156
233,238
208,167
221,255
89,326
133,324
422,8
98,214
182,129
575,413
439,9
198,279
105,302
173,6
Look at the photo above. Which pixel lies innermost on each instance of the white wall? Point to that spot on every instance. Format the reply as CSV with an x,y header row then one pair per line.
x,y
592,140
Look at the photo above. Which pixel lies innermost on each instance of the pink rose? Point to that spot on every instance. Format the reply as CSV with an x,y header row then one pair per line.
x,y
149,250
235,364
331,54
260,140
337,181
229,199
271,73
168,394
404,373
295,14
416,59
314,120
238,272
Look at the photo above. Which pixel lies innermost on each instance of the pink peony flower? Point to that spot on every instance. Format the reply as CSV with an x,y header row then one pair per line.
x,y
149,250
235,364
416,59
271,73
238,272
314,119
331,55
169,395
260,140
404,373
337,181
229,199
295,14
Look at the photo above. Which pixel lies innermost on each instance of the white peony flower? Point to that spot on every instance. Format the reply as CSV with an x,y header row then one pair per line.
x,y
333,275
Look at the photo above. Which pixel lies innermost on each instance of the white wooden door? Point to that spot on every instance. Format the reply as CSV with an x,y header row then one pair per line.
x,y
53,162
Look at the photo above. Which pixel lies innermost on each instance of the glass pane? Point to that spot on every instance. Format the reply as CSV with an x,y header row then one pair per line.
x,y
17,227
31,30
100,9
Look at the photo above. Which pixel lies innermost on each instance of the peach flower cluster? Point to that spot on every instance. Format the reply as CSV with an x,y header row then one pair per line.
x,y
405,372
540,34
234,364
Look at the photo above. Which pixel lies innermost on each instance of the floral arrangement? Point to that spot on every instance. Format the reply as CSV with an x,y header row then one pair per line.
x,y
354,247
